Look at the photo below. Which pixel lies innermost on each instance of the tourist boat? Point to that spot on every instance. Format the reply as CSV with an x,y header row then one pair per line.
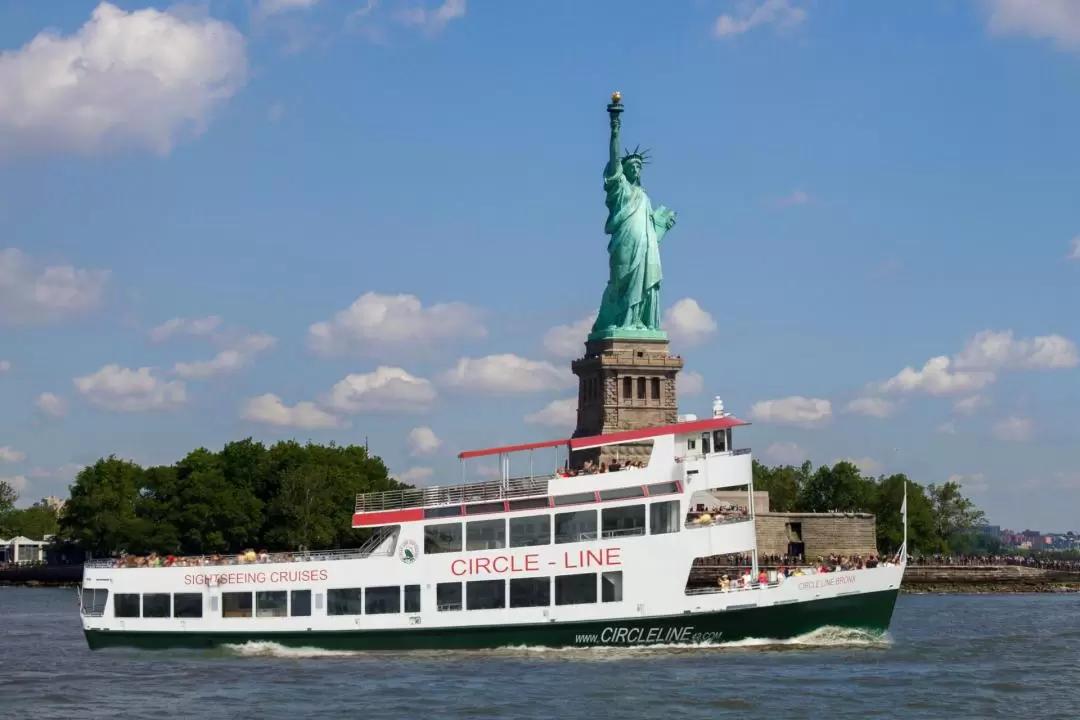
x,y
547,559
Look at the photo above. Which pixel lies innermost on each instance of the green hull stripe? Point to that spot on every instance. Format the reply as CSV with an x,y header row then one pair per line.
x,y
865,611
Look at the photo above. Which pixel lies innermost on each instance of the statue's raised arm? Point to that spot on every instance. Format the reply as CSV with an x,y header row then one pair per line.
x,y
614,166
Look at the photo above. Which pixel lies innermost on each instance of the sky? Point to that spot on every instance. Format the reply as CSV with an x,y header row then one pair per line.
x,y
382,221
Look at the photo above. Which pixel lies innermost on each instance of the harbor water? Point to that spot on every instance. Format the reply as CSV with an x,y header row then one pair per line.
x,y
984,656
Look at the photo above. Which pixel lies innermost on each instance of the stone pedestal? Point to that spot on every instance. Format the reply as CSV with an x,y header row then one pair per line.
x,y
624,384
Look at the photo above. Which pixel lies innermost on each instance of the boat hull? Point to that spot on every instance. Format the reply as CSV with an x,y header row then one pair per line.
x,y
871,611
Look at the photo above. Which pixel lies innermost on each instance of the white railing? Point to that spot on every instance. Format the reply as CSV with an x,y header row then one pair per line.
x,y
717,520
452,494
227,560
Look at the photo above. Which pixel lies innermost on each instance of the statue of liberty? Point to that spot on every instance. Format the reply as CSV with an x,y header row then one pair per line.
x,y
630,307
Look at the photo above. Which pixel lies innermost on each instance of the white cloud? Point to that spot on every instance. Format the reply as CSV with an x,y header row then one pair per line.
x,y
557,413
422,441
10,454
689,382
1016,429
5,366
506,373
33,295
968,405
276,7
185,326
867,466
414,475
785,453
1056,20
433,20
686,322
375,323
770,12
233,358
124,390
52,405
947,428
798,197
568,341
998,350
124,79
872,406
796,410
270,409
388,388
18,483
936,378
1074,249
975,482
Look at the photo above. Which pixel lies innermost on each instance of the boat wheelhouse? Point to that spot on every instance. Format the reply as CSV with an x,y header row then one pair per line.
x,y
596,556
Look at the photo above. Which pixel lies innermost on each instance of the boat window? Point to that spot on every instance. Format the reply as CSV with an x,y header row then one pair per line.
x,y
187,605
529,504
156,605
577,589
664,517
485,534
667,488
272,603
442,512
94,601
575,526
442,538
623,521
412,598
448,596
575,499
720,441
384,600
485,508
485,595
126,605
235,604
300,603
530,592
623,493
344,601
611,586
705,449
530,530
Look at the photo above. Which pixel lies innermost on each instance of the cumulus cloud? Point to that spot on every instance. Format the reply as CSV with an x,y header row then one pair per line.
x,y
433,20
277,7
947,428
975,482
34,295
557,413
423,441
867,466
785,453
10,454
506,374
235,357
185,326
387,388
271,410
780,13
872,406
568,341
968,405
52,405
999,350
18,483
1074,249
796,410
1054,20
137,79
125,390
414,475
1015,429
687,323
797,197
375,323
937,377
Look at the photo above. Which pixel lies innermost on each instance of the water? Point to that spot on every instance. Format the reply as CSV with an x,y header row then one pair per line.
x,y
985,656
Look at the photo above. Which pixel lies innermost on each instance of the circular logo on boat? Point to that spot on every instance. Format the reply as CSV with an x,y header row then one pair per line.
x,y
409,552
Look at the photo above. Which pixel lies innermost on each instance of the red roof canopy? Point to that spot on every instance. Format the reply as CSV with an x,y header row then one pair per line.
x,y
581,443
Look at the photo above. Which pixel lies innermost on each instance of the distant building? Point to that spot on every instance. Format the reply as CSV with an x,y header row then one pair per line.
x,y
53,503
22,550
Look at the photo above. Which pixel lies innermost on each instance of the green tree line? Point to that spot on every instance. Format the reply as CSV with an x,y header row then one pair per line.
x,y
34,522
940,518
286,496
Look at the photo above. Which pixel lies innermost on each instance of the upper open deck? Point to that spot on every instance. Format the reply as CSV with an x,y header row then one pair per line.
x,y
532,485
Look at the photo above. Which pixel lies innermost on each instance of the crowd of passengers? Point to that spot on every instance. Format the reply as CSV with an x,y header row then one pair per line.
x,y
742,577
248,557
721,513
592,468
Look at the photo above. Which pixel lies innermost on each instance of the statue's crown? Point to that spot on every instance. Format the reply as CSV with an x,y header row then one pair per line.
x,y
642,156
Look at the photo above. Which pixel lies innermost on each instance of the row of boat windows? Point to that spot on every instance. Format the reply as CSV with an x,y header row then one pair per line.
x,y
576,589
537,503
569,527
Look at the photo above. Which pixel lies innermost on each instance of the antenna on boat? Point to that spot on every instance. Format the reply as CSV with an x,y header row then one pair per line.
x,y
903,511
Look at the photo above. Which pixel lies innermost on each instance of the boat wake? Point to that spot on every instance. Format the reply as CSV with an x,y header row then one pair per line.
x,y
822,638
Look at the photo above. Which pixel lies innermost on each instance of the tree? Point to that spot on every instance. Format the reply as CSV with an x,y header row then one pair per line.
x,y
890,521
101,514
953,513
782,483
34,522
306,502
8,497
840,488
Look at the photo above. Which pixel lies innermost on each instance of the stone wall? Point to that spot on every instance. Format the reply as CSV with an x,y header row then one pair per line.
x,y
821,533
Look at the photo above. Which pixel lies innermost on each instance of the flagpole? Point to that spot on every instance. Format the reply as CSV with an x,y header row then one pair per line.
x,y
903,509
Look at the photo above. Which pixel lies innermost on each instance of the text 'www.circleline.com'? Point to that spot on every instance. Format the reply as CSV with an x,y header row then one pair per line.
x,y
646,636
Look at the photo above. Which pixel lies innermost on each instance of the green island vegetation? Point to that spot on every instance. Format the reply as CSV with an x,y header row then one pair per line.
x,y
300,496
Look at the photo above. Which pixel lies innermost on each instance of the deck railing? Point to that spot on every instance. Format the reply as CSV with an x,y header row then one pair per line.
x,y
230,560
490,490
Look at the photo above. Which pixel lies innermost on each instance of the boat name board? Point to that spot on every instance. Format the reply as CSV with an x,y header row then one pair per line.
x,y
825,582
530,562
256,577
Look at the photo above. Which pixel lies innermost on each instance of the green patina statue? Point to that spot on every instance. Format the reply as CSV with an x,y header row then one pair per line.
x,y
630,308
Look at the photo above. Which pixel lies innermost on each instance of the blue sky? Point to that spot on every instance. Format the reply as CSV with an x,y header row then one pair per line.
x,y
384,220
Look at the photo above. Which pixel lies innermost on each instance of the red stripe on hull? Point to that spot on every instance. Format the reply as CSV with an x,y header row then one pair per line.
x,y
389,517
